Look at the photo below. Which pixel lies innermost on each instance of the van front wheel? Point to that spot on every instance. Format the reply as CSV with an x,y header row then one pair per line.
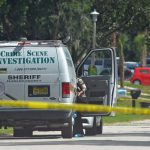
x,y
67,132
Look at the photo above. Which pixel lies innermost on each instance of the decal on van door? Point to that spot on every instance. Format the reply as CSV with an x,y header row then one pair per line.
x,y
30,69
32,57
2,92
24,78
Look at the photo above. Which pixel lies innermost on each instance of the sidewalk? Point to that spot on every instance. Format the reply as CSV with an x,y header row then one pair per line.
x,y
145,122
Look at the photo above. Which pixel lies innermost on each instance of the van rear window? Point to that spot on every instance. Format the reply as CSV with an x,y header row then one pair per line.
x,y
68,57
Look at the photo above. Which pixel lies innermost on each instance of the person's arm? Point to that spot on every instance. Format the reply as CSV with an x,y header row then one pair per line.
x,y
83,88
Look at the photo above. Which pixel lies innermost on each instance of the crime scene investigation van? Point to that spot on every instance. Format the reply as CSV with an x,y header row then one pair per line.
x,y
44,71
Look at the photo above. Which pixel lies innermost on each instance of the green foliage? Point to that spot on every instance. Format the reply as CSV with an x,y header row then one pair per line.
x,y
2,2
140,41
51,19
7,131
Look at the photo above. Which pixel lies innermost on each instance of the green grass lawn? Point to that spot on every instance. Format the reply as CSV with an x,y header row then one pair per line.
x,y
120,117
127,102
7,131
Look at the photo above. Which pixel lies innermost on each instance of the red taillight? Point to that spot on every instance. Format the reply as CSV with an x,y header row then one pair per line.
x,y
23,43
65,89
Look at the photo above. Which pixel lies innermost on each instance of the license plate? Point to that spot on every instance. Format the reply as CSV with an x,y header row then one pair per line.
x,y
38,91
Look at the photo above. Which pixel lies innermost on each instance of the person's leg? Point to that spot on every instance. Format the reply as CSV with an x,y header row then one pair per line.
x,y
78,127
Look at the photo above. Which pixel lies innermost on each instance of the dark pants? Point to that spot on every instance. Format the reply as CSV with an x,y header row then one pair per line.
x,y
78,126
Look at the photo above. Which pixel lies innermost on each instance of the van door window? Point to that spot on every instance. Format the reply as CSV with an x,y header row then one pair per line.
x,y
99,63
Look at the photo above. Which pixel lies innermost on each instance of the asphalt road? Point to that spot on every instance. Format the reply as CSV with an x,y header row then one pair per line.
x,y
127,136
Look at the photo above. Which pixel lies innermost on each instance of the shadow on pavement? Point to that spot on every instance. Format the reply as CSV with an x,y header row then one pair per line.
x,y
99,140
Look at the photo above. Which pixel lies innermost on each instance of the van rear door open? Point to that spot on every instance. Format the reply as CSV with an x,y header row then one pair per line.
x,y
42,67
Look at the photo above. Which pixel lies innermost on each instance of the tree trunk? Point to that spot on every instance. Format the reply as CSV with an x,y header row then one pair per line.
x,y
121,67
144,50
143,57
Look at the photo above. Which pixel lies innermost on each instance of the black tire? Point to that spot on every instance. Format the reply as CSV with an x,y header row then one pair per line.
x,y
67,132
28,132
17,132
93,130
22,132
100,127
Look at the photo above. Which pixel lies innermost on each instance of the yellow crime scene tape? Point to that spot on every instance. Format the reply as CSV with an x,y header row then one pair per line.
x,y
74,107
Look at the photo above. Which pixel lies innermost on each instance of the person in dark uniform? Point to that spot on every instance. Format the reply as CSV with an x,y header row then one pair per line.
x,y
78,126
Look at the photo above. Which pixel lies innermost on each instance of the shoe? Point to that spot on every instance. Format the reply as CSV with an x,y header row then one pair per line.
x,y
79,135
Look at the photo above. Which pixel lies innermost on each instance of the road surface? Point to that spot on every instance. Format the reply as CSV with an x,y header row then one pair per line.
x,y
127,136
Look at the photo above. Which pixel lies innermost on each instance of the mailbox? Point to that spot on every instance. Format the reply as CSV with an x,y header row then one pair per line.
x,y
135,93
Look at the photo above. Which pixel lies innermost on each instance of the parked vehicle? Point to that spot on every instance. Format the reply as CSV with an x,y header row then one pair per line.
x,y
131,65
43,71
38,71
148,62
127,73
128,68
141,76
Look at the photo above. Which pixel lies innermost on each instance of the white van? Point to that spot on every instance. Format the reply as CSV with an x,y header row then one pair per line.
x,y
43,71
37,71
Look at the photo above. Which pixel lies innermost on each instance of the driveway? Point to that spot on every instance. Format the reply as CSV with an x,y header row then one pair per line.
x,y
120,136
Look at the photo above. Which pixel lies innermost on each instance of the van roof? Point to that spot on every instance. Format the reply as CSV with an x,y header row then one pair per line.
x,y
51,43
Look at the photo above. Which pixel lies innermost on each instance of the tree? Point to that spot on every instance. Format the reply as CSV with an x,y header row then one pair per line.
x,y
51,19
140,41
121,43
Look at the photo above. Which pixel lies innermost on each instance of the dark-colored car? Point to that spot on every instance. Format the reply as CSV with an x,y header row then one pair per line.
x,y
148,62
127,73
141,76
131,65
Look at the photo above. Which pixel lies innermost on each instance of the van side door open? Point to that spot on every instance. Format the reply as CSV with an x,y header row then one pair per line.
x,y
99,72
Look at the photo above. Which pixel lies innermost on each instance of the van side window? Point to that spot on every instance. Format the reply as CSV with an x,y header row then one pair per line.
x,y
68,57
